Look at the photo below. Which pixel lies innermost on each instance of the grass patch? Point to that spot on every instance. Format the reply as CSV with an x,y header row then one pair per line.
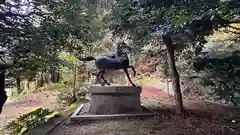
x,y
143,80
117,84
73,106
146,80
17,97
54,86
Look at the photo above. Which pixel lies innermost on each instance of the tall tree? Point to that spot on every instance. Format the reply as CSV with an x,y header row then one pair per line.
x,y
20,37
81,26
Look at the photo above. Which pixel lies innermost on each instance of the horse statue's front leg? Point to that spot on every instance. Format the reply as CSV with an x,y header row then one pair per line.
x,y
134,71
126,72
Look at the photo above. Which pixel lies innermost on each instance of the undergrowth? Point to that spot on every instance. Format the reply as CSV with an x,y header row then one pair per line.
x,y
66,96
53,86
17,97
146,80
29,121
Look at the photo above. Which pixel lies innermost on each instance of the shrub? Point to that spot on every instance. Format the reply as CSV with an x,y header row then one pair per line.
x,y
29,121
53,86
146,80
65,95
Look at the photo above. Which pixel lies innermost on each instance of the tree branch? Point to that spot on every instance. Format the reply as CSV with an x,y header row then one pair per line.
x,y
233,27
229,31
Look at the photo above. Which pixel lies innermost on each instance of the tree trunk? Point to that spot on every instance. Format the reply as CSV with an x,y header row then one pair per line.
x,y
27,85
40,79
53,75
57,76
37,81
18,83
29,79
175,76
78,77
74,83
3,94
45,77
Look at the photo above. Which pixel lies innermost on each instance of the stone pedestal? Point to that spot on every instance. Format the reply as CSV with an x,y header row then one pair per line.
x,y
115,99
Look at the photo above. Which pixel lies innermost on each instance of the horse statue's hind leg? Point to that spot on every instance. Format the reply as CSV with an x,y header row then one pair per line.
x,y
134,71
126,72
98,79
101,75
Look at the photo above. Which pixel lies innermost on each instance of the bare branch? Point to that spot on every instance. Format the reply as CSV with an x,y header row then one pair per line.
x,y
233,27
230,31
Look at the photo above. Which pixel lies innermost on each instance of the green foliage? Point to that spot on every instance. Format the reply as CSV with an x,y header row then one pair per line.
x,y
67,57
67,75
65,95
21,38
219,68
146,80
154,19
80,25
35,39
179,16
66,68
53,86
222,74
17,97
29,121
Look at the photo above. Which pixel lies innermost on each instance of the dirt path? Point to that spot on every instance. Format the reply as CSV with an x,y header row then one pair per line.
x,y
42,99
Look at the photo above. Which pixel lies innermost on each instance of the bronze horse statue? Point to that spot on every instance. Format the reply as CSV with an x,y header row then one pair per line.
x,y
117,61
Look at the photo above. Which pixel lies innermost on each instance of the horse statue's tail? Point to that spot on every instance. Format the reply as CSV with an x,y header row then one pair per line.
x,y
89,58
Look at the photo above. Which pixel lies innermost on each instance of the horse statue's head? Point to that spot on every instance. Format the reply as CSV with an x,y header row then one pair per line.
x,y
123,49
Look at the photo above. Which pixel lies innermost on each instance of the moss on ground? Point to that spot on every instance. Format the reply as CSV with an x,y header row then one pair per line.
x,y
146,80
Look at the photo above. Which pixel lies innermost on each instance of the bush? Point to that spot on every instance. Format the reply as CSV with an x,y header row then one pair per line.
x,y
53,86
65,95
145,80
29,121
